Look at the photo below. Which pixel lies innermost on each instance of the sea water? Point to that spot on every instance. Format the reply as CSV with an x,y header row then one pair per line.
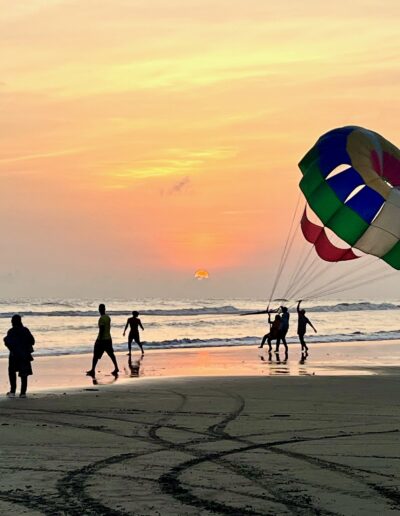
x,y
69,326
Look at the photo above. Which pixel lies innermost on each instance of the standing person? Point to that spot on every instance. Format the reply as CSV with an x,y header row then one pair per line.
x,y
103,343
19,340
283,329
274,328
134,322
302,326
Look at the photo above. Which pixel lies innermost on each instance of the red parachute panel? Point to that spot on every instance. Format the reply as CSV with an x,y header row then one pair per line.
x,y
325,249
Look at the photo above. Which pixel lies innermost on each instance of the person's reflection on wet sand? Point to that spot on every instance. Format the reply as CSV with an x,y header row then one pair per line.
x,y
134,366
303,358
262,358
278,358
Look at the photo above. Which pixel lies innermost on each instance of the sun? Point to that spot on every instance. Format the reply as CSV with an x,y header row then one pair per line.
x,y
201,274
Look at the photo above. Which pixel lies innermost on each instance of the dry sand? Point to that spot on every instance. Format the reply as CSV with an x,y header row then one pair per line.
x,y
217,445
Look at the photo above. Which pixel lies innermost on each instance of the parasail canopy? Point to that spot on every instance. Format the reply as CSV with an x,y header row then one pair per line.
x,y
351,180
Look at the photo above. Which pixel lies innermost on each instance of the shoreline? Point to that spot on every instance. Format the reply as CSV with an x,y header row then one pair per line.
x,y
53,374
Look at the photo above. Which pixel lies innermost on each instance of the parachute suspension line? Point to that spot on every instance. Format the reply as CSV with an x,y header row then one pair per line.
x,y
302,268
344,285
354,285
304,256
346,282
286,250
302,265
309,279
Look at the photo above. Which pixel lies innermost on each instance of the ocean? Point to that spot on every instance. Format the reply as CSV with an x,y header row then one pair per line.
x,y
69,326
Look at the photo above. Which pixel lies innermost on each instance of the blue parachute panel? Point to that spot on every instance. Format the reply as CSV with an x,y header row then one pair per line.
x,y
367,202
345,182
332,150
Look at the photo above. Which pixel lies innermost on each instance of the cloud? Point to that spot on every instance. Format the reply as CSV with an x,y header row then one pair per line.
x,y
173,162
29,157
177,187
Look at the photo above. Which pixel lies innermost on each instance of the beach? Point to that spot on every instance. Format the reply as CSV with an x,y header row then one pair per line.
x,y
206,441
65,372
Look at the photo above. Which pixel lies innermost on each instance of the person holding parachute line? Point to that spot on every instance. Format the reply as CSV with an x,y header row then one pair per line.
x,y
274,328
302,327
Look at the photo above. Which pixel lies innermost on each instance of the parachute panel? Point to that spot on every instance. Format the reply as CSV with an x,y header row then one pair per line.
x,y
361,144
332,150
367,203
320,196
389,217
324,247
376,241
347,225
345,183
343,221
366,217
393,257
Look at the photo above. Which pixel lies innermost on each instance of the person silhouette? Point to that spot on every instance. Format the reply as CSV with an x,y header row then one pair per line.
x,y
302,327
274,328
20,341
284,327
134,323
103,343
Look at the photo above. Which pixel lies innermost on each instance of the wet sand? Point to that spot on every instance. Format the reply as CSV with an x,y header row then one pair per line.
x,y
57,373
243,445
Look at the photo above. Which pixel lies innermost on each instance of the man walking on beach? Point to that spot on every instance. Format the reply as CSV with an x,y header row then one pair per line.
x,y
302,327
103,343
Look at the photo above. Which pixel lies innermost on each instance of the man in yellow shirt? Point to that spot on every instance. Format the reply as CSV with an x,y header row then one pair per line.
x,y
103,343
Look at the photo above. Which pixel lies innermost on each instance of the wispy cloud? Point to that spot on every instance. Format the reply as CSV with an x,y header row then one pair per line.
x,y
174,162
42,155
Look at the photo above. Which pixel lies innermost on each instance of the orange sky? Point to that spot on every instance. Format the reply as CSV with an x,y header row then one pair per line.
x,y
142,140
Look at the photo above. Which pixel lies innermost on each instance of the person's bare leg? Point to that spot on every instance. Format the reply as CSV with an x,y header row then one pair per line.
x,y
263,341
114,361
92,371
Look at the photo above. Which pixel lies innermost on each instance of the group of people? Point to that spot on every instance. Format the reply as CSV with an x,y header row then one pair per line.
x,y
279,327
103,342
20,341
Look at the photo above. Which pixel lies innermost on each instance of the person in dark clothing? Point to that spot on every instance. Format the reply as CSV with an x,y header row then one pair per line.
x,y
302,326
274,328
283,329
103,343
134,323
20,341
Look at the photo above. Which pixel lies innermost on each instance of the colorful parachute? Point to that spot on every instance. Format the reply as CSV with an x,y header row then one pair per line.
x,y
351,180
